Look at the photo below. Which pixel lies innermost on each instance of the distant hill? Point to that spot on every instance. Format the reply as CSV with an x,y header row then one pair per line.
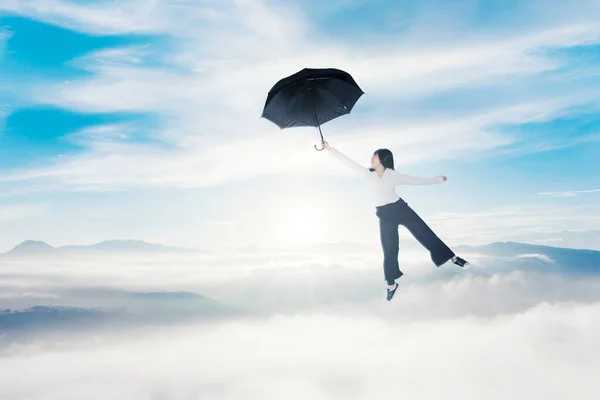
x,y
547,257
39,317
120,310
31,247
124,245
39,248
518,254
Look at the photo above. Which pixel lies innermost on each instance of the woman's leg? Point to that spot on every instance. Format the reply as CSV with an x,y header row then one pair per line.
x,y
439,251
390,243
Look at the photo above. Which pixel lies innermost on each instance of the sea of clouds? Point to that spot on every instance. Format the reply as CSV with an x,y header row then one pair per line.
x,y
297,324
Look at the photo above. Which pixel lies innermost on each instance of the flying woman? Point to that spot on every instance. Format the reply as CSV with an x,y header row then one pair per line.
x,y
392,211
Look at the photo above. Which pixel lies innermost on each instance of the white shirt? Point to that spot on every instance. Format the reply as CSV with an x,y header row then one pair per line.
x,y
383,189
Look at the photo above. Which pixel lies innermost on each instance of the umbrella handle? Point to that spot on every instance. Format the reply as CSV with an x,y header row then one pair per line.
x,y
319,126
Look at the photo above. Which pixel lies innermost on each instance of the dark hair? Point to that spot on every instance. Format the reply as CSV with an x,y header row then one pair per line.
x,y
385,157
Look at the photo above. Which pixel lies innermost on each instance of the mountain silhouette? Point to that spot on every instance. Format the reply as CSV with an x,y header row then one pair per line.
x,y
119,310
566,260
36,248
32,247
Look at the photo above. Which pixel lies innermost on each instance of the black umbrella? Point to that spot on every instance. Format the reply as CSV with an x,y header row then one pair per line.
x,y
311,97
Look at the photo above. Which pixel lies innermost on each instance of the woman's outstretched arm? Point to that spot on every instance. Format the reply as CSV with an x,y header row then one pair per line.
x,y
346,160
403,179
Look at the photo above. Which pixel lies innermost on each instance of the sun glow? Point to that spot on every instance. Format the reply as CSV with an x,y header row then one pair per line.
x,y
302,227
300,224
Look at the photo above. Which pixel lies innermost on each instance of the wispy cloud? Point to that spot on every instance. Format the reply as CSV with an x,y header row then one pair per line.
x,y
221,223
541,144
569,193
210,103
527,223
13,212
177,158
4,36
541,257
106,17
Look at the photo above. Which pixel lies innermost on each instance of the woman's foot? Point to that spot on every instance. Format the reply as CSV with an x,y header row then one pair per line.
x,y
461,262
391,290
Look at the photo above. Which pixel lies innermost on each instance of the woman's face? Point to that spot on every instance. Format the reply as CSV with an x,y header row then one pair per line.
x,y
375,161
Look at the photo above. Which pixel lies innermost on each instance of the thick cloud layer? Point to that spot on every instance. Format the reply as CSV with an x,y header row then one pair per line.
x,y
548,351
314,326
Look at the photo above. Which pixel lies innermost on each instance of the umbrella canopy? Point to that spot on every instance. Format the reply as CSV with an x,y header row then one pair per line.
x,y
311,97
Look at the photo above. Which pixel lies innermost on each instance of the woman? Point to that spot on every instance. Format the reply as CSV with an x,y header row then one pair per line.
x,y
392,211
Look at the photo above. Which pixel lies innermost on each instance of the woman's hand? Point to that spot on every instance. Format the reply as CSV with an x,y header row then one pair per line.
x,y
444,178
325,145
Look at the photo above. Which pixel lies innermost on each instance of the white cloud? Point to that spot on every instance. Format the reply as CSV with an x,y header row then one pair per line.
x,y
547,145
549,240
460,329
106,17
482,61
322,356
569,193
516,222
213,106
209,96
541,257
112,163
576,239
4,36
221,223
13,212
294,280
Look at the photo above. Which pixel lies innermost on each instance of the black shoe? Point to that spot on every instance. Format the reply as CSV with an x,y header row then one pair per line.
x,y
461,263
390,293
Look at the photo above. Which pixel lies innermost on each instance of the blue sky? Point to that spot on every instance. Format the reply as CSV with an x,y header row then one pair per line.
x,y
138,120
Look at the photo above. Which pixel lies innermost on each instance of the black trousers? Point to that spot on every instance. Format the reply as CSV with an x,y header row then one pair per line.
x,y
391,216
